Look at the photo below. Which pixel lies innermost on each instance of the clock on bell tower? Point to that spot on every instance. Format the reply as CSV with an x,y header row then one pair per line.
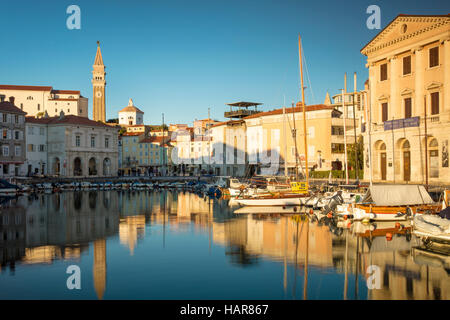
x,y
99,83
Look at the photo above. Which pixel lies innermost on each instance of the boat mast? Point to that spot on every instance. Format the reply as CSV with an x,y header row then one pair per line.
x,y
304,110
294,136
285,139
354,128
426,141
345,132
369,128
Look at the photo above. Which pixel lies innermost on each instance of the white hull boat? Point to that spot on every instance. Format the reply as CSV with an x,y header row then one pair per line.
x,y
291,201
432,227
267,210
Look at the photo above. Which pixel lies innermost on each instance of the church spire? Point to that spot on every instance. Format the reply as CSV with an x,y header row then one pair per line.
x,y
98,56
327,101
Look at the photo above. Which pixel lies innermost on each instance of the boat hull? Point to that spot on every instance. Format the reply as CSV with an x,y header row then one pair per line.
x,y
270,202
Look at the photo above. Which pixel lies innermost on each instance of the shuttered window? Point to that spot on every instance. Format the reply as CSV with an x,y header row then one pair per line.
x,y
434,57
406,65
383,72
408,108
384,111
435,103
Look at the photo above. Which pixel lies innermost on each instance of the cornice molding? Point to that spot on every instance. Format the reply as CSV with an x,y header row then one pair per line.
x,y
438,22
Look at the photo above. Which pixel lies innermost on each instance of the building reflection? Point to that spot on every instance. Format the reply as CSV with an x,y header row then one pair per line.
x,y
131,228
59,226
45,228
408,270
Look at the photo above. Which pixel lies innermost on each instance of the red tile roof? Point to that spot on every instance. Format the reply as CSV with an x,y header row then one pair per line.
x,y
131,109
132,134
66,91
228,122
309,108
156,139
63,99
68,119
33,88
7,106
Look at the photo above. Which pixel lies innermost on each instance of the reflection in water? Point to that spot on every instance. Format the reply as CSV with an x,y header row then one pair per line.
x,y
287,254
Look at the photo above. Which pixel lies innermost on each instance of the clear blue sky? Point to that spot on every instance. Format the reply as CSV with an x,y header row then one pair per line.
x,y
181,57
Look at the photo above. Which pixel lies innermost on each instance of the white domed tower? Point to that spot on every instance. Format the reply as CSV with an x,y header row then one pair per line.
x,y
131,115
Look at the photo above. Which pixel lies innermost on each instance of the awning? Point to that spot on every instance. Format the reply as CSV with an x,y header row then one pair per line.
x,y
397,195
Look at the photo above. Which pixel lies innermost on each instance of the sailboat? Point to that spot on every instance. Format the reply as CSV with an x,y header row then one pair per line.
x,y
299,189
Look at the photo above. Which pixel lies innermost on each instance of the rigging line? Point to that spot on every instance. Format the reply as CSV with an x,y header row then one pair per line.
x,y
307,74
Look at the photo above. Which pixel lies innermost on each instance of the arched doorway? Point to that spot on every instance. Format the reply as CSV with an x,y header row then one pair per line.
x,y
106,167
92,167
406,161
56,166
383,162
77,168
433,159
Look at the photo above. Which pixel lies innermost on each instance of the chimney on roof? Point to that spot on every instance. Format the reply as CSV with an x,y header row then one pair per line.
x,y
2,97
11,99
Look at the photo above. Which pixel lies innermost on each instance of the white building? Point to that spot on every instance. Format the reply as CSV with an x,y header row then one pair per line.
x,y
131,115
76,147
36,148
36,100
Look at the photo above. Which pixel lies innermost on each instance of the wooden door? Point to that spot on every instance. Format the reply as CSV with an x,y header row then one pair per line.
x,y
406,166
383,165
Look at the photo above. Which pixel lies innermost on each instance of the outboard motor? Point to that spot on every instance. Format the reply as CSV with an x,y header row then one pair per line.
x,y
335,200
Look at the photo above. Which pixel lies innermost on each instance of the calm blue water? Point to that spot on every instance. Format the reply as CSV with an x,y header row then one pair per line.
x,y
170,245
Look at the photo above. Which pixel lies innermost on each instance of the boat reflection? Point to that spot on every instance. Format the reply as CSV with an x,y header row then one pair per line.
x,y
44,228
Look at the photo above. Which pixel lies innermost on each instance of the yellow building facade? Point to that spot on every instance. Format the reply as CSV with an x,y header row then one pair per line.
x,y
408,93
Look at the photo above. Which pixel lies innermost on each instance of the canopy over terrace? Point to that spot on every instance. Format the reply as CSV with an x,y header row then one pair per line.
x,y
397,195
241,110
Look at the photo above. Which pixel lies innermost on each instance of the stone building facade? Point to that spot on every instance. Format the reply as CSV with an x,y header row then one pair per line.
x,y
12,138
79,147
408,93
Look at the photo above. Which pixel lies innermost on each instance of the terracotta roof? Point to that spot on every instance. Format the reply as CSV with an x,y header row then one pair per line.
x,y
38,120
132,134
131,109
315,107
7,106
228,122
15,87
68,119
155,139
63,99
66,91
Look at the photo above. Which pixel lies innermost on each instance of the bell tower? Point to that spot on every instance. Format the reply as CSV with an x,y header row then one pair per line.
x,y
99,83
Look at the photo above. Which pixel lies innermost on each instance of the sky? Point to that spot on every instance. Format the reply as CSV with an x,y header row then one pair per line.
x,y
181,57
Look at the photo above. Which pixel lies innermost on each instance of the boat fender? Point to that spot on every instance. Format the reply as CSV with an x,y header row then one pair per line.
x,y
366,220
329,215
349,224
388,236
398,225
295,209
345,217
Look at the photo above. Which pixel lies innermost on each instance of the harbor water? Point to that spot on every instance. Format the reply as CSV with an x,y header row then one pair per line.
x,y
179,245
